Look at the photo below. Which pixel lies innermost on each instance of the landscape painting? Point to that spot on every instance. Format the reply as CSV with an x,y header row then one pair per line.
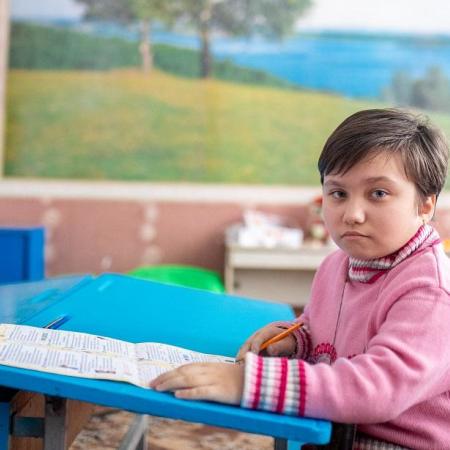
x,y
203,91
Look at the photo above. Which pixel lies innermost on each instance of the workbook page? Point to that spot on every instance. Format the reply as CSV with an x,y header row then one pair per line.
x,y
155,358
61,339
68,362
68,353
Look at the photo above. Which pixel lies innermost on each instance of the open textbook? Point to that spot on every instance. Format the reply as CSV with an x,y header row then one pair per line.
x,y
90,356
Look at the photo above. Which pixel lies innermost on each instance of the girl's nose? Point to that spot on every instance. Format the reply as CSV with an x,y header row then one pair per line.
x,y
354,213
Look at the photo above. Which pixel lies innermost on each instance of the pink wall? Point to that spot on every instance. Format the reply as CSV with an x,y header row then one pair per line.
x,y
92,235
96,235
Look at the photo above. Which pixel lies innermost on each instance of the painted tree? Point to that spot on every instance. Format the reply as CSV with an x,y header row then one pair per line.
x,y
273,18
432,91
131,11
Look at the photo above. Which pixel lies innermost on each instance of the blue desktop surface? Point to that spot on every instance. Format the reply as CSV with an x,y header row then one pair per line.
x,y
141,311
19,302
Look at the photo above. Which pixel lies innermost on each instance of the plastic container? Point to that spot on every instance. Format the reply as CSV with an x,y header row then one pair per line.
x,y
180,275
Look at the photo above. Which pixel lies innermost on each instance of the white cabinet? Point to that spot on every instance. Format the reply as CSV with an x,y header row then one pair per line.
x,y
273,273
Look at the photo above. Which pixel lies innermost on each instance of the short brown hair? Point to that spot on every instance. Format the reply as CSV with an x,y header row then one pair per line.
x,y
423,148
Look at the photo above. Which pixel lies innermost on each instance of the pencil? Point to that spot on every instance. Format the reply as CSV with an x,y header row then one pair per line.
x,y
280,336
276,338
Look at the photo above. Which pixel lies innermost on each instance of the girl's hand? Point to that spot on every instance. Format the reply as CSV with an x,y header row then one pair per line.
x,y
219,382
285,347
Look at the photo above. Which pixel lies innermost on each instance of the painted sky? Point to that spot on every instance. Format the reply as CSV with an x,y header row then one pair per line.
x,y
420,16
410,16
45,9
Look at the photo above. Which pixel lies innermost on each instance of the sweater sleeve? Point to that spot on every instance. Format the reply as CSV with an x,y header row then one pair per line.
x,y
274,384
405,363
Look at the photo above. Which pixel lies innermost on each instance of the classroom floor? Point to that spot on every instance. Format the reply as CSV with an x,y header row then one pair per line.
x,y
107,427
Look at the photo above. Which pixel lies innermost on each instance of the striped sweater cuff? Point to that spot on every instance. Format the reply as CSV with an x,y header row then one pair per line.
x,y
274,384
302,339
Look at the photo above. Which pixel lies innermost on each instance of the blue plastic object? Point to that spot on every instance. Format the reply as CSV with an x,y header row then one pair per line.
x,y
181,275
21,255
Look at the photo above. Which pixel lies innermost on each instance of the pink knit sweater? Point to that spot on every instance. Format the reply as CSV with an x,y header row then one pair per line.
x,y
388,343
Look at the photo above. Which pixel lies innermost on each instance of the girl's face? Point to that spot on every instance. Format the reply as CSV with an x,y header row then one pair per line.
x,y
373,209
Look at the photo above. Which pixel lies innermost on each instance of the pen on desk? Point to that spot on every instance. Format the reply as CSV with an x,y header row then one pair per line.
x,y
277,338
54,324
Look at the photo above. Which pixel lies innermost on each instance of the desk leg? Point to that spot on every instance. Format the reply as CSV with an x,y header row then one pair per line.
x,y
280,444
55,423
4,424
6,397
135,439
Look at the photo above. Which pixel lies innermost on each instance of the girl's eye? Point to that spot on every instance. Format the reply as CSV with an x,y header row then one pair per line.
x,y
337,194
378,194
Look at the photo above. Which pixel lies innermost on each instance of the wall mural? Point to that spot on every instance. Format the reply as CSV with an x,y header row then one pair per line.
x,y
226,91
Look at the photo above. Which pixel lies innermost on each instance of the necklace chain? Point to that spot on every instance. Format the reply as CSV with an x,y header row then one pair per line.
x,y
339,314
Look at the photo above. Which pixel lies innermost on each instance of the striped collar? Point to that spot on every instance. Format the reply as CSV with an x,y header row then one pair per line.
x,y
369,270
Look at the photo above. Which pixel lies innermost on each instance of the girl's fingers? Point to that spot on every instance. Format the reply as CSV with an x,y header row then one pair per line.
x,y
181,375
183,382
253,344
280,349
196,393
214,392
220,382
247,345
262,337
243,350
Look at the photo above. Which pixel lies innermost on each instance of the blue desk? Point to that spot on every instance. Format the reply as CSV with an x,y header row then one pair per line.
x,y
141,311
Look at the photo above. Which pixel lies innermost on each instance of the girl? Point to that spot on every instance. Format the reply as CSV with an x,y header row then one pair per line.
x,y
374,346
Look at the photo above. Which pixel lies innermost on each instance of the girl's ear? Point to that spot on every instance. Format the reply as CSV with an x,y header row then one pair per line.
x,y
427,207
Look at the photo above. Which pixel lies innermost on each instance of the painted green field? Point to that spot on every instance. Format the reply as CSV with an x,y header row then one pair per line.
x,y
125,125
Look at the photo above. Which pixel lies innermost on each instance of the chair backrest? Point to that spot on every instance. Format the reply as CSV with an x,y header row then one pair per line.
x,y
342,438
21,254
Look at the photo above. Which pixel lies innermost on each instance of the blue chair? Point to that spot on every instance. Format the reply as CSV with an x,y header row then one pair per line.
x,y
21,254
